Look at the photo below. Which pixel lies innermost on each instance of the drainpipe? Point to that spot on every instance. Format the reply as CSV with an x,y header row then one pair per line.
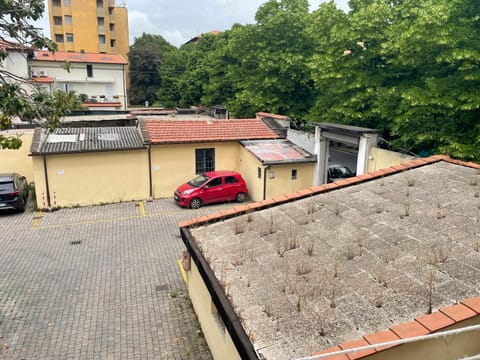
x,y
150,171
124,89
265,169
46,179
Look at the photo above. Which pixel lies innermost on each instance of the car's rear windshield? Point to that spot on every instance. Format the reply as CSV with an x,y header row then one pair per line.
x,y
198,180
7,186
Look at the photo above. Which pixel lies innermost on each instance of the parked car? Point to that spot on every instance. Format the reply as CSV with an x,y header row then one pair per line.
x,y
13,191
338,172
212,187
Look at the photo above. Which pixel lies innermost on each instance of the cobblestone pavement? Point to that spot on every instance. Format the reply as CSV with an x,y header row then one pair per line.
x,y
98,282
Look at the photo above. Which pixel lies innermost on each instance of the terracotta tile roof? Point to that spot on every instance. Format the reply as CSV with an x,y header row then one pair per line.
x,y
188,131
43,80
423,325
271,116
79,57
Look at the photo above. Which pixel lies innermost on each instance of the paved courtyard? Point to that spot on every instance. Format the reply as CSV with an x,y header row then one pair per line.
x,y
97,282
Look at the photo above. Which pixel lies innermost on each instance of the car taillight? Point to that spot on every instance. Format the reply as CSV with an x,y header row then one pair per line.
x,y
14,193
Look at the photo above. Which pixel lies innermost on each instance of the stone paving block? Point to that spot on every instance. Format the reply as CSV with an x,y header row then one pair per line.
x,y
97,282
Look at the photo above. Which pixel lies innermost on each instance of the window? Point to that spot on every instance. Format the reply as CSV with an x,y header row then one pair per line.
x,y
57,20
69,37
56,3
89,70
112,27
215,182
294,174
66,2
112,43
67,19
110,11
99,3
204,160
230,180
101,39
259,173
101,21
59,38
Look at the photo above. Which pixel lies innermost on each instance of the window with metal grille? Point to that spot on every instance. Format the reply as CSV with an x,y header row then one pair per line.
x,y
89,70
294,174
204,160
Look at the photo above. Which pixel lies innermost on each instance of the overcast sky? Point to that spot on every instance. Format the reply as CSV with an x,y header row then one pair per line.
x,y
180,20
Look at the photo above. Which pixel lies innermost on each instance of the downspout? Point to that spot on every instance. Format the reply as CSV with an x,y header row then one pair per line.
x,y
46,179
150,171
265,169
124,89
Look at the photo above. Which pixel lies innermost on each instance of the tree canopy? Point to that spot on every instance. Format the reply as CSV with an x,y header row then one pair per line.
x,y
17,97
409,68
146,57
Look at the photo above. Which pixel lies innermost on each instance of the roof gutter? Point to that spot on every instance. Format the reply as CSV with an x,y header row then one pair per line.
x,y
232,322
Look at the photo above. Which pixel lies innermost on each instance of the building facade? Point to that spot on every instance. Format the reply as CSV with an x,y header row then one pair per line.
x,y
102,77
95,26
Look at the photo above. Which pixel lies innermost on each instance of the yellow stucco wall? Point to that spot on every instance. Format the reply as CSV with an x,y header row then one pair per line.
x,y
93,178
449,348
282,183
216,335
18,160
172,165
381,159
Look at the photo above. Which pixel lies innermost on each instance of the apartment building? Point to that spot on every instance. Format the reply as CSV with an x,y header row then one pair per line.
x,y
92,26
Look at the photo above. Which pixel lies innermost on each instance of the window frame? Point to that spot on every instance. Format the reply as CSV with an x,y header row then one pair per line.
x,y
89,70
204,160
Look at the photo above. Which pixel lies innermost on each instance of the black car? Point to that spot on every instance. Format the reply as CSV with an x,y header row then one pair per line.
x,y
13,191
339,172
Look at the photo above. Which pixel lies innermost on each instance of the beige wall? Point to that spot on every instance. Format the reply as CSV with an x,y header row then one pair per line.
x,y
381,159
444,348
18,160
248,168
92,178
172,165
282,183
216,335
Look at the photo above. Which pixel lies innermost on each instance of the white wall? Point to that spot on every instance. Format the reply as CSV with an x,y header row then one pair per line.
x,y
107,78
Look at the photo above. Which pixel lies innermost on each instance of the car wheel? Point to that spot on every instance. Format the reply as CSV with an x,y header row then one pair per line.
x,y
195,203
241,197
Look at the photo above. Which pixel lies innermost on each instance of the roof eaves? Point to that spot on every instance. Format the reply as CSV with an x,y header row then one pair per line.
x,y
314,190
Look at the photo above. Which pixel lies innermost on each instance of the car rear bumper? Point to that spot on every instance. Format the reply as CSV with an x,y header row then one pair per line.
x,y
11,204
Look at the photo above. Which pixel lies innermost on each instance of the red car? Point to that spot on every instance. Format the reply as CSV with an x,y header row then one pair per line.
x,y
212,187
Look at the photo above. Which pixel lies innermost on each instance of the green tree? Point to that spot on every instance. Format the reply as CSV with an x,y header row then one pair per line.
x,y
17,98
409,68
146,58
270,71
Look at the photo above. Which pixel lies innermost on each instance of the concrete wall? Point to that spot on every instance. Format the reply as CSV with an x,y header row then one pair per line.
x,y
92,178
303,139
18,160
172,165
381,159
249,165
216,335
445,348
279,177
280,182
16,63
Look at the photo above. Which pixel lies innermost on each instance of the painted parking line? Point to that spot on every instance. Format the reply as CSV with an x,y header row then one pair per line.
x,y
143,214
141,205
36,218
182,271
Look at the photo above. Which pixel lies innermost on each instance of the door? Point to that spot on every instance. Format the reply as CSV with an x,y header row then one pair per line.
x,y
213,191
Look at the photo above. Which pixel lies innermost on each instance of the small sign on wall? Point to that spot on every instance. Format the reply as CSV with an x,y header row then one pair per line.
x,y
156,168
61,172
